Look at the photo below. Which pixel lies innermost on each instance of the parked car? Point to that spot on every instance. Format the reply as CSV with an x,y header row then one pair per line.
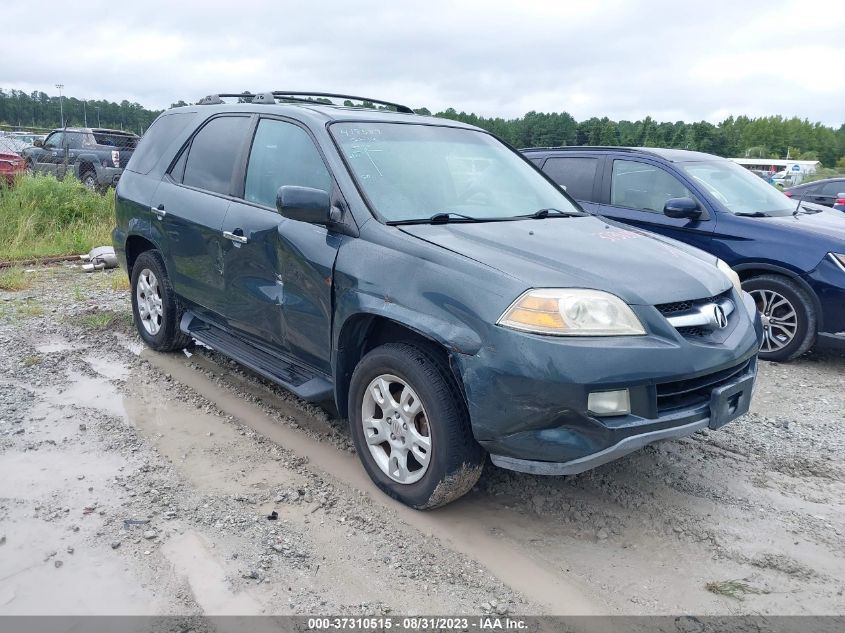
x,y
12,164
27,139
790,259
96,156
422,278
825,192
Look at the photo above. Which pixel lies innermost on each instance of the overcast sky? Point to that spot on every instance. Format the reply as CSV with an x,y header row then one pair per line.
x,y
625,60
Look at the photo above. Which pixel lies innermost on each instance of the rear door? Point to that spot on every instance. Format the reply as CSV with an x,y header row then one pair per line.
x,y
278,272
189,206
635,190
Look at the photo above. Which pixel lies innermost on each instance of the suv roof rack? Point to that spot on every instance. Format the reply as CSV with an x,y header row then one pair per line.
x,y
298,97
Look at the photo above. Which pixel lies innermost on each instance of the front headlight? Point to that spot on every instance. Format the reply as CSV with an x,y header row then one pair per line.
x,y
571,312
731,273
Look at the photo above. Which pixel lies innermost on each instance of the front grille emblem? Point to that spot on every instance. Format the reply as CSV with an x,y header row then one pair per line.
x,y
721,317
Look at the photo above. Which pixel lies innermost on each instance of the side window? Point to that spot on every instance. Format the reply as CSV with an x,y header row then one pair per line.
x,y
178,171
54,141
74,140
213,152
282,154
160,134
642,186
576,174
832,188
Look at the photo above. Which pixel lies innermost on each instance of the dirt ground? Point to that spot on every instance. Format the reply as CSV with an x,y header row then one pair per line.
x,y
138,483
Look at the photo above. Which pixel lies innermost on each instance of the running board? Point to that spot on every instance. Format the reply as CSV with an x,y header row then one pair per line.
x,y
306,384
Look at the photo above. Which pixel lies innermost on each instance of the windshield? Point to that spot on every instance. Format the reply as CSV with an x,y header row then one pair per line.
x,y
738,189
412,172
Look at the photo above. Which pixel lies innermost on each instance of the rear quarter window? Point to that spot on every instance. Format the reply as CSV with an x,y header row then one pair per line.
x,y
575,173
159,136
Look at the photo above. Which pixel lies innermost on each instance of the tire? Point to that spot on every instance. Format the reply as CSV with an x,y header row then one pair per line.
x,y
454,460
160,328
89,179
776,298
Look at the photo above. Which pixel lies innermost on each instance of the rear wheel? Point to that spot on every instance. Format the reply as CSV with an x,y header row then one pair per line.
x,y
155,307
788,315
411,427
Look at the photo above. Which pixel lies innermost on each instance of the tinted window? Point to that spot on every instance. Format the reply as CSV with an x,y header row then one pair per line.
x,y
576,174
646,187
832,188
282,154
159,135
117,141
213,152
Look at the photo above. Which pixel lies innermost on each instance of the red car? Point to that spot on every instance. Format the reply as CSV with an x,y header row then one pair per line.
x,y
11,163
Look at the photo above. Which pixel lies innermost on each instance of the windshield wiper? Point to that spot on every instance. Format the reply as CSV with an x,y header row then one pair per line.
x,y
544,213
755,214
444,217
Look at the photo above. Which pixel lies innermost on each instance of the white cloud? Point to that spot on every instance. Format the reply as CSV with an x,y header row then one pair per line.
x,y
672,60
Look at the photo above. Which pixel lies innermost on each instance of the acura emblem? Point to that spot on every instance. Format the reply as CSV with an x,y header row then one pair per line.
x,y
721,319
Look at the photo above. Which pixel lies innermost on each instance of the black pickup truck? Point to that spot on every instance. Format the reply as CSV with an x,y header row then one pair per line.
x,y
95,156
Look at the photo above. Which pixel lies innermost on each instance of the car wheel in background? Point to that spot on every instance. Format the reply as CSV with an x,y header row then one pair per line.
x,y
155,308
89,179
411,427
788,314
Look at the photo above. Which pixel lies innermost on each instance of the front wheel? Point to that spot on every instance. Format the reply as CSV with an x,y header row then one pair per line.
x,y
89,179
788,315
411,427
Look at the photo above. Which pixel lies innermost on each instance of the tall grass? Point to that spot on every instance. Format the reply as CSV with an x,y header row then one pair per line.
x,y
41,216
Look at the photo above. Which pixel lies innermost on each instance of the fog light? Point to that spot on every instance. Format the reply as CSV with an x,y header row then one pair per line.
x,y
609,402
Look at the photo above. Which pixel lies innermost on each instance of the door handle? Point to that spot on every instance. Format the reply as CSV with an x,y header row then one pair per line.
x,y
159,211
240,239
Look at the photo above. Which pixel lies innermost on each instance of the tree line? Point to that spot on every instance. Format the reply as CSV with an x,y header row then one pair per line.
x,y
760,137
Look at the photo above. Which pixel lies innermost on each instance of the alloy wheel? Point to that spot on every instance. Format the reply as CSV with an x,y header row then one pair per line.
x,y
396,429
780,319
149,301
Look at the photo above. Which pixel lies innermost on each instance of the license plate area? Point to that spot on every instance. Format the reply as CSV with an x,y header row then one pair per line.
x,y
731,401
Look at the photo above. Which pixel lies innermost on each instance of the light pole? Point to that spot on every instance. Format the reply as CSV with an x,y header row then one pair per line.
x,y
61,104
98,116
85,112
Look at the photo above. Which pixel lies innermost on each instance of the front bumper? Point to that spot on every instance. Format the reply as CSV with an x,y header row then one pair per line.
x,y
527,395
728,402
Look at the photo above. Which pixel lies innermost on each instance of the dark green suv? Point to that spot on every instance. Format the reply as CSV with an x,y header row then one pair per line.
x,y
424,279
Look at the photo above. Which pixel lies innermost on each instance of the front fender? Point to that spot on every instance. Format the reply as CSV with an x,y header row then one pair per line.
x,y
454,336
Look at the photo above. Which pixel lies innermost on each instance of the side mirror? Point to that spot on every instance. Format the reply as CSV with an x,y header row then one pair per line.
x,y
38,143
681,208
305,204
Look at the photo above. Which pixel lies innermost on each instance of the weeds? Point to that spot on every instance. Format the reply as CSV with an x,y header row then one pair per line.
x,y
119,282
29,361
104,320
14,279
735,589
43,216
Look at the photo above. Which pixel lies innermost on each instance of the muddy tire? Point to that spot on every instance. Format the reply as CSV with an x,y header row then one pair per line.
x,y
404,401
155,307
789,316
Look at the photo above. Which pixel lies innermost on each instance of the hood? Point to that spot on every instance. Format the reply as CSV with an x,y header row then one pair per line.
x,y
583,252
827,223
